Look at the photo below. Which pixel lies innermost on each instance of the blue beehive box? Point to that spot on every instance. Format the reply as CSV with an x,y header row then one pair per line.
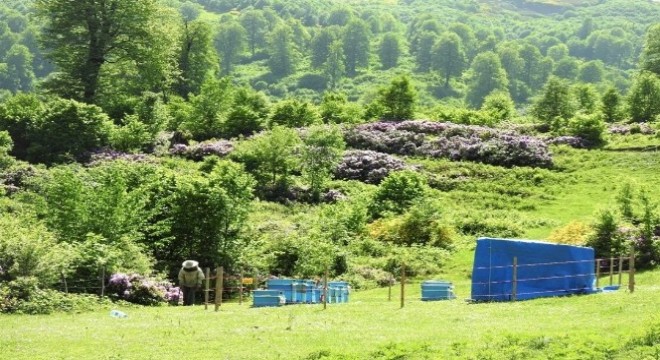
x,y
263,298
434,290
340,292
285,286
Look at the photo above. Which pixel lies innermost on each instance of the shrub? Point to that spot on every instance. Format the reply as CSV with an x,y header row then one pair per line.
x,y
132,136
366,277
499,106
607,238
201,150
316,82
572,141
141,290
479,225
467,116
625,129
23,296
294,114
398,192
574,233
242,121
588,127
367,166
455,142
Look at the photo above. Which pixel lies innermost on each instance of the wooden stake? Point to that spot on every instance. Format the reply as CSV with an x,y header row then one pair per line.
x,y
66,287
620,268
403,284
103,281
389,288
611,270
207,287
325,289
219,276
240,290
597,273
514,285
631,271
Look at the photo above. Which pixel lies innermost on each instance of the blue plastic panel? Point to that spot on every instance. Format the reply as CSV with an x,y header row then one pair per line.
x,y
544,269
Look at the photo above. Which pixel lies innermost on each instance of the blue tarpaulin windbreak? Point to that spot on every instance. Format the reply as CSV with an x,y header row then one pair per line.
x,y
543,269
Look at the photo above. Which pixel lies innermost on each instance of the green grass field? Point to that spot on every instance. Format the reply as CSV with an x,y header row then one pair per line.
x,y
615,325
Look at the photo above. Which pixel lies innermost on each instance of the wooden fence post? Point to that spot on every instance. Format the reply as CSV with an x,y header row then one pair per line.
x,y
597,273
103,281
620,268
389,288
325,289
631,271
403,284
514,285
219,276
207,287
66,287
611,270
240,289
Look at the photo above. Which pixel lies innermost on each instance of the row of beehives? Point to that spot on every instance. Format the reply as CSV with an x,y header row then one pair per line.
x,y
292,291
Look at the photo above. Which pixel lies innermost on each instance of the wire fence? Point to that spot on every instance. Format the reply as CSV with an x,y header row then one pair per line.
x,y
523,280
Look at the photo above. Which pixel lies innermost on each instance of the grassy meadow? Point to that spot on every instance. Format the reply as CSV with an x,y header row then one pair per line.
x,y
615,325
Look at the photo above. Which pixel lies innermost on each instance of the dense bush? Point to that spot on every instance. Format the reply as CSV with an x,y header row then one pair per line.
x,y
199,151
24,296
572,141
588,127
53,131
367,166
142,290
468,116
398,191
574,233
294,114
625,129
455,142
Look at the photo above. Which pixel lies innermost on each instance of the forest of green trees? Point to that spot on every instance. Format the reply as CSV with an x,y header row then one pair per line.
x,y
272,134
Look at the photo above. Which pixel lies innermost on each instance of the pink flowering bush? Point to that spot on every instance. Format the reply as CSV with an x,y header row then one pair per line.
x,y
451,141
141,290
